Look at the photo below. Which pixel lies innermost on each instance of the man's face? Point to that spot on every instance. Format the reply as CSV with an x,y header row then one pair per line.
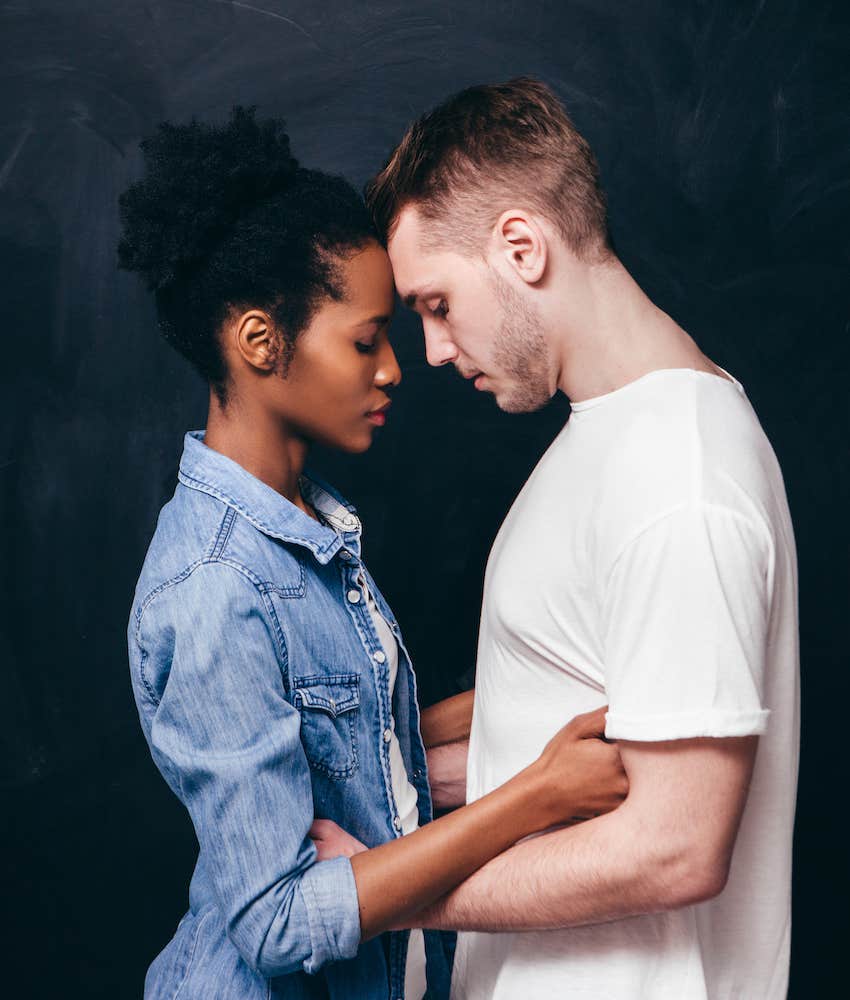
x,y
474,318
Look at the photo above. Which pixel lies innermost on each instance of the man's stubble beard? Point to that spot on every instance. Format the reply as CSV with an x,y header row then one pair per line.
x,y
520,353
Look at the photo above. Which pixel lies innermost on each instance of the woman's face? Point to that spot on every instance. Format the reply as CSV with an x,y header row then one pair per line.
x,y
335,390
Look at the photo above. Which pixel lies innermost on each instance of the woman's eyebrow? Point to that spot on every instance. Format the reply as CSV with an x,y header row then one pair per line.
x,y
381,320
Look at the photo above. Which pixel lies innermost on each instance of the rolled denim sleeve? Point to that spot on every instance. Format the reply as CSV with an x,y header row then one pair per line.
x,y
225,735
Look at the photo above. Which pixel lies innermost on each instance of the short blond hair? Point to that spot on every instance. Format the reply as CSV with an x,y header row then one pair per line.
x,y
487,149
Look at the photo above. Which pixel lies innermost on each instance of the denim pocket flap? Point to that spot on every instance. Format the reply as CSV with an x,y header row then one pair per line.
x,y
332,695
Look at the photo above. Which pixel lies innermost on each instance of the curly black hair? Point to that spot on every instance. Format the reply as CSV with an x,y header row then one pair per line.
x,y
225,218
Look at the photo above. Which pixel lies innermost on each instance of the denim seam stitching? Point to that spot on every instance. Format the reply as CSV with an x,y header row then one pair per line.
x,y
338,773
214,491
223,533
143,676
281,639
297,590
195,937
184,574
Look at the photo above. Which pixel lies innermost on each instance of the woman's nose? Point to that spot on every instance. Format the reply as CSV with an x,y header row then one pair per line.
x,y
388,371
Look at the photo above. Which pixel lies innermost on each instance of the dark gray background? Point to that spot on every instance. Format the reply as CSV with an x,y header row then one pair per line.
x,y
722,131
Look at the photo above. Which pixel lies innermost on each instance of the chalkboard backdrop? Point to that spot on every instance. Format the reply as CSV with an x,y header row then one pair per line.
x,y
722,132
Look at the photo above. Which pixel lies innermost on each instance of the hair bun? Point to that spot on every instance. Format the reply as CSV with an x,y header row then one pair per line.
x,y
199,179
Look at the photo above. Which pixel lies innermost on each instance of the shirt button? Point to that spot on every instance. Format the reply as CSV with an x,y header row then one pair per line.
x,y
387,736
397,823
354,596
345,554
379,657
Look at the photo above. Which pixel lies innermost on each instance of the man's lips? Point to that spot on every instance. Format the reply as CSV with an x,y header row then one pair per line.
x,y
478,376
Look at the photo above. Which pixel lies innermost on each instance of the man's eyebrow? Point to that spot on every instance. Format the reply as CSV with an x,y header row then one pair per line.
x,y
411,298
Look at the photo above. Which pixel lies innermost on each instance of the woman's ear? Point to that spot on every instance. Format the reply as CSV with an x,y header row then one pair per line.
x,y
522,244
254,339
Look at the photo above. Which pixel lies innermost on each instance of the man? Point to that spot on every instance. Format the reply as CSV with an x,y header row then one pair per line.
x,y
648,561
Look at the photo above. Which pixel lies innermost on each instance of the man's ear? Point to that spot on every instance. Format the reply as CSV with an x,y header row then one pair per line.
x,y
523,244
254,339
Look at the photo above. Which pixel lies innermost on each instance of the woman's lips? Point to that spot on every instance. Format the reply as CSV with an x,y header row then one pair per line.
x,y
378,417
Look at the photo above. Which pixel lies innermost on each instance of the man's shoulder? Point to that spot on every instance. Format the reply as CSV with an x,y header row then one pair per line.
x,y
688,440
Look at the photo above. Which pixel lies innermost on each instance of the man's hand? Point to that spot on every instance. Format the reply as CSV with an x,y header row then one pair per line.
x,y
332,841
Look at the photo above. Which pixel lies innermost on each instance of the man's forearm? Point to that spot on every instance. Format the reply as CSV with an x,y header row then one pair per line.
x,y
447,774
447,721
668,845
590,873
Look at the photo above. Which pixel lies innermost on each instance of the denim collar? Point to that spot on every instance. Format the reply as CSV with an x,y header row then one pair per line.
x,y
206,470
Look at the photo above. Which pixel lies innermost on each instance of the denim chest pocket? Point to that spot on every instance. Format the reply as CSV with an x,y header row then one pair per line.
x,y
329,707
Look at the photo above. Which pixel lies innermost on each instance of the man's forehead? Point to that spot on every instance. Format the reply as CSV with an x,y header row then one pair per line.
x,y
415,269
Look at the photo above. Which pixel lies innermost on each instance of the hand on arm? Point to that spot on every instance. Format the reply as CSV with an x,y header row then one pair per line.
x,y
669,845
576,775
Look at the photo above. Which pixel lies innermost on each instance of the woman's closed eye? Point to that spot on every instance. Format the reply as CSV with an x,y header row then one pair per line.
x,y
364,346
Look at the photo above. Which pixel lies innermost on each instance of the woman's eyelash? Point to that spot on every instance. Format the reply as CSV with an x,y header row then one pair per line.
x,y
364,348
442,309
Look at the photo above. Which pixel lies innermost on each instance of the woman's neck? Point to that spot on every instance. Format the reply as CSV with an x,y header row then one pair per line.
x,y
261,444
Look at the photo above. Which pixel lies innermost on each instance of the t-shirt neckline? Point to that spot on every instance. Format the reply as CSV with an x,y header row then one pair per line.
x,y
586,404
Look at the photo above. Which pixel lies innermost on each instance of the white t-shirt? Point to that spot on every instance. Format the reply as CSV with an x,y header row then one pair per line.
x,y
648,562
405,795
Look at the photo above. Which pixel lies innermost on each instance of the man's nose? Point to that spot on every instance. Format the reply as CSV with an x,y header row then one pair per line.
x,y
439,347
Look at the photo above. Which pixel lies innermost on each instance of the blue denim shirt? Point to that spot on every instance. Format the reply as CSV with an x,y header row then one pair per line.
x,y
263,694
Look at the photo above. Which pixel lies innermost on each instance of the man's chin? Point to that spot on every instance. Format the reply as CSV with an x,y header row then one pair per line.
x,y
520,401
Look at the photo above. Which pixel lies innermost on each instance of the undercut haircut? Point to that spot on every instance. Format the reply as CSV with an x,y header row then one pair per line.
x,y
487,149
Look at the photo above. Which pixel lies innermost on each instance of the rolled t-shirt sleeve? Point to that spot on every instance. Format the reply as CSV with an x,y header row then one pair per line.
x,y
685,613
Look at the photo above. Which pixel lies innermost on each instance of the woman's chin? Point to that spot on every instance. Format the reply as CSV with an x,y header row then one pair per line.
x,y
356,444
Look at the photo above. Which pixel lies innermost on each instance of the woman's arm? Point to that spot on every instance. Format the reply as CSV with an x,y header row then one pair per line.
x,y
224,734
577,776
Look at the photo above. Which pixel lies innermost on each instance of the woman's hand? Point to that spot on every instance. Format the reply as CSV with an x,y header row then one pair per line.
x,y
332,841
582,775
576,776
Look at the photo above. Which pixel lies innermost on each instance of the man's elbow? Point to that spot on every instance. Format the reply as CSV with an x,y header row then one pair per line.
x,y
690,876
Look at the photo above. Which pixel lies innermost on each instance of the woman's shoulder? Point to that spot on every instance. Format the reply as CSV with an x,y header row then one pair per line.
x,y
199,537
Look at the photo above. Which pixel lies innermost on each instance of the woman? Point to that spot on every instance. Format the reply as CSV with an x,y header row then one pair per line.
x,y
271,679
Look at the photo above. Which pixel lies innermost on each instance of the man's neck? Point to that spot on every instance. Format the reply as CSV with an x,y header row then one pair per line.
x,y
619,336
